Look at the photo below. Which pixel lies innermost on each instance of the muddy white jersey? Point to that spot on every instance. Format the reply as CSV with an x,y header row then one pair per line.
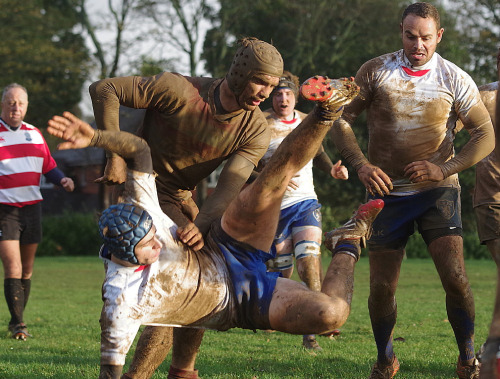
x,y
181,288
304,178
412,114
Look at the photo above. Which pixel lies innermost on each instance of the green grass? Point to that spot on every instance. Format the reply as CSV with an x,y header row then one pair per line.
x,y
65,304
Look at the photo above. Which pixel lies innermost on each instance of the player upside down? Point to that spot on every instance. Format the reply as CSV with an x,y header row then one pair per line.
x,y
153,278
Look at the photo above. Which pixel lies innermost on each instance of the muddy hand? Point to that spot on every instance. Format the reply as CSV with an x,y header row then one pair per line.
x,y
191,236
375,180
421,171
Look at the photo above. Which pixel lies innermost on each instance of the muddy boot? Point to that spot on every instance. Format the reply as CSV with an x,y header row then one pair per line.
x,y
359,226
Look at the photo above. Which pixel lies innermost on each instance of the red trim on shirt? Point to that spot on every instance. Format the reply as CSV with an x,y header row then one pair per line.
x,y
140,268
414,73
289,122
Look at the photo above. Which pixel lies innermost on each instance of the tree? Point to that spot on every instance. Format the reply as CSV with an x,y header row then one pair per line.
x,y
178,25
479,20
41,52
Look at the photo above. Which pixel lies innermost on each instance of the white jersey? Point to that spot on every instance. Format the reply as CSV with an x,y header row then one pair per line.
x,y
412,116
181,288
304,178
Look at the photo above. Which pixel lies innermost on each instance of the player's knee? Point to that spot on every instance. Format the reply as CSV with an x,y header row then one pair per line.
x,y
332,315
304,249
280,263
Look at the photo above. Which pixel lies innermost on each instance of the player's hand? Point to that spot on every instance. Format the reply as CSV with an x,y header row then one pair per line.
x,y
115,171
70,128
375,180
422,171
67,184
339,171
191,236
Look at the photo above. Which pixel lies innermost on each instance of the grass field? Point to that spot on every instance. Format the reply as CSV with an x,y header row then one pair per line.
x,y
65,303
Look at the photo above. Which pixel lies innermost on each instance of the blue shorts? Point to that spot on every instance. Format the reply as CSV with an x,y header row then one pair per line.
x,y
253,286
304,213
436,213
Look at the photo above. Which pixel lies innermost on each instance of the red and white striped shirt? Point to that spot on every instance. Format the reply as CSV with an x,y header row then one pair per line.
x,y
24,157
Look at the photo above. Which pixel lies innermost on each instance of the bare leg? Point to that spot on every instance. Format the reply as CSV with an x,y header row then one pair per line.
x,y
252,218
494,248
299,310
153,346
489,365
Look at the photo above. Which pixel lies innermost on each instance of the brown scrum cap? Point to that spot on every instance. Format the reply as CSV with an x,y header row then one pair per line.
x,y
253,57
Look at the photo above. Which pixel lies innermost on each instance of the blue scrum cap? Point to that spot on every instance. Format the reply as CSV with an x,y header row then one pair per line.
x,y
122,226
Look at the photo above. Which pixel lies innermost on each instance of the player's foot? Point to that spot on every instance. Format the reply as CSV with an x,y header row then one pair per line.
x,y
332,93
19,331
385,372
468,371
331,335
310,343
359,226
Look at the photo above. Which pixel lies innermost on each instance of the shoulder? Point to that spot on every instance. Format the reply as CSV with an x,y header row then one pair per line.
x,y
385,61
490,87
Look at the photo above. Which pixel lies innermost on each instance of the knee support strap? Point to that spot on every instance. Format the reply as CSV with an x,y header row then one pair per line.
x,y
307,249
281,262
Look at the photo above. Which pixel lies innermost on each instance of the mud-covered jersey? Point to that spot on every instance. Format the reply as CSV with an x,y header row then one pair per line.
x,y
24,157
487,189
182,287
188,138
412,115
279,129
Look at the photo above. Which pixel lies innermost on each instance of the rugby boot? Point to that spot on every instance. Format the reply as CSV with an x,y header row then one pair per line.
x,y
309,342
19,331
468,371
359,226
330,94
385,372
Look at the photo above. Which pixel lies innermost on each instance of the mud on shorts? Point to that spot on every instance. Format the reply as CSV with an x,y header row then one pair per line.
x,y
304,213
252,285
21,224
436,213
488,222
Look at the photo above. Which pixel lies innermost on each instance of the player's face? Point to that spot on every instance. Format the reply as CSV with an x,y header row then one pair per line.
x,y
14,106
148,249
420,38
256,91
284,103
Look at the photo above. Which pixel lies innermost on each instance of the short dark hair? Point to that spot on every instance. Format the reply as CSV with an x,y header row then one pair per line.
x,y
424,10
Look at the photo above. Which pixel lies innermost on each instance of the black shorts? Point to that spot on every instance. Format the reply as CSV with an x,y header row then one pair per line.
x,y
21,224
488,222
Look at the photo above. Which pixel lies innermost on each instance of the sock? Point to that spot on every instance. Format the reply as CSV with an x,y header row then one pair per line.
x,y
351,249
27,289
14,294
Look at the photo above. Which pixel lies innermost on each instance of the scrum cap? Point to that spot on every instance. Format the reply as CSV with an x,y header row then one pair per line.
x,y
254,57
122,226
